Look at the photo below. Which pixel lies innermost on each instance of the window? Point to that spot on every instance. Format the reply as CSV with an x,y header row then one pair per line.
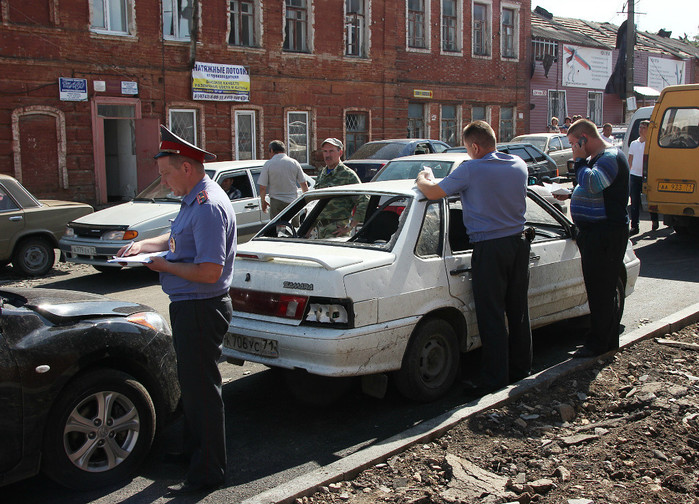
x,y
479,113
355,28
507,124
177,19
429,242
298,138
509,33
416,24
449,26
594,107
357,131
296,28
679,128
242,17
245,138
6,202
543,48
183,123
557,105
481,29
110,16
447,133
416,120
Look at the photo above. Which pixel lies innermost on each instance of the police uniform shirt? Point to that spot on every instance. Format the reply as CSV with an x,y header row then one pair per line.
x,y
203,231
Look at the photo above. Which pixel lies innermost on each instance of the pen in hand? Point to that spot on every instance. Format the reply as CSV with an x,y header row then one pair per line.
x,y
128,247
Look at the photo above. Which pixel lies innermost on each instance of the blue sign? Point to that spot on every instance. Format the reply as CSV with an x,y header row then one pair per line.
x,y
72,89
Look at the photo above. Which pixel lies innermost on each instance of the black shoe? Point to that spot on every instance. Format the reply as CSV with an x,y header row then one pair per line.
x,y
583,352
655,225
633,231
187,488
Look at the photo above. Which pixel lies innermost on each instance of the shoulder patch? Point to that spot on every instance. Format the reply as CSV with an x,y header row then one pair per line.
x,y
202,197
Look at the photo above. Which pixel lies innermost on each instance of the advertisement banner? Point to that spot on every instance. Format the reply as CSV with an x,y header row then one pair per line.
x,y
664,72
586,67
71,89
217,82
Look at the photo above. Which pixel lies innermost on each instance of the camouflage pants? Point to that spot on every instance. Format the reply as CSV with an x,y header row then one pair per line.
x,y
326,228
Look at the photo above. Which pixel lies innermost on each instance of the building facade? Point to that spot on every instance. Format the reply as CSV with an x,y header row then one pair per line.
x,y
84,85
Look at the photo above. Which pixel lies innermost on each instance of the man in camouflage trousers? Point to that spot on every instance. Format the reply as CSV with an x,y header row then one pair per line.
x,y
336,218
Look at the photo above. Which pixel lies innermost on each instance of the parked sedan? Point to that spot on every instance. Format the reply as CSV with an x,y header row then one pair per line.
x,y
86,381
371,156
30,228
98,237
555,145
394,297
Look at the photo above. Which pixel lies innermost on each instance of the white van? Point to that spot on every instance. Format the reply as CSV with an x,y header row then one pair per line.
x,y
632,131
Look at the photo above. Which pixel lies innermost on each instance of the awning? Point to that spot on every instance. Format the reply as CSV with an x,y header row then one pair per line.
x,y
646,92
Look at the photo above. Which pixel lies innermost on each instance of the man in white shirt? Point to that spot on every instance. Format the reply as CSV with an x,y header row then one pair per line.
x,y
636,179
282,175
607,133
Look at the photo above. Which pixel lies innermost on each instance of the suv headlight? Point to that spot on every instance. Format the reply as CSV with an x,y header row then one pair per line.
x,y
150,320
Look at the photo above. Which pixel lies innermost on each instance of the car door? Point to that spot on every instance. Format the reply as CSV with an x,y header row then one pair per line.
x,y
245,201
12,223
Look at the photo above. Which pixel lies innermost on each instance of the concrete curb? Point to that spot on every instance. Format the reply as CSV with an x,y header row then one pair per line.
x,y
353,464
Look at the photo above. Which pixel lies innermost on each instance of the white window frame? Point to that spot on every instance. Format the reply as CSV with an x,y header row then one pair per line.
x,y
514,123
515,41
363,31
287,127
425,115
195,113
427,28
348,111
257,27
129,10
459,30
552,113
309,29
253,140
600,111
488,36
176,36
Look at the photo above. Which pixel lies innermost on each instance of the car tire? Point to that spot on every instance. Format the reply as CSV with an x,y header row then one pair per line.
x,y
430,363
34,256
99,430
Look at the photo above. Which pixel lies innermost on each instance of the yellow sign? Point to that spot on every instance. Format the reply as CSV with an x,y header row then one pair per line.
x,y
422,93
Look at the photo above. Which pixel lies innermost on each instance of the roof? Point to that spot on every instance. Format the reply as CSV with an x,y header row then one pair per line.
x,y
603,35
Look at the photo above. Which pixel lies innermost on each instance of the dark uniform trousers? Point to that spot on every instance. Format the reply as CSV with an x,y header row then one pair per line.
x,y
500,279
198,328
602,247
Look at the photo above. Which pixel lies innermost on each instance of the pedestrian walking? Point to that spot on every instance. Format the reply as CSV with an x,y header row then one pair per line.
x,y
280,178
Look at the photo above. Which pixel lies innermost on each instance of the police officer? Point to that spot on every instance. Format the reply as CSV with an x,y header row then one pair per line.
x,y
196,273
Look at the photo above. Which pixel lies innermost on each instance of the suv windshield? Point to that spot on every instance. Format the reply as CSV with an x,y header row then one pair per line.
x,y
378,150
157,192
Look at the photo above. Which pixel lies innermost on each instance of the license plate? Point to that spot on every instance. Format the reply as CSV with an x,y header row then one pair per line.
x,y
683,187
82,250
249,344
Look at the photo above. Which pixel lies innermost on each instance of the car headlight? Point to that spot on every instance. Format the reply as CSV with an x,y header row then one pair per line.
x,y
150,320
69,231
120,235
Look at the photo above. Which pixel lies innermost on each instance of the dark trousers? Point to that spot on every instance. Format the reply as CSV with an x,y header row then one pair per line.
x,y
500,273
198,327
635,188
602,249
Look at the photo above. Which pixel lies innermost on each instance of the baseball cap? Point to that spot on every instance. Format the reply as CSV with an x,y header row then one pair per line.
x,y
333,141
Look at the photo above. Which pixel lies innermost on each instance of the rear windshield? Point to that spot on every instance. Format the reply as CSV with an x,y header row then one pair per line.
x,y
679,128
378,150
397,170
536,141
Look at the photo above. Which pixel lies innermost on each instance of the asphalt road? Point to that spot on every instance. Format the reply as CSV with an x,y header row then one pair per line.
x,y
274,437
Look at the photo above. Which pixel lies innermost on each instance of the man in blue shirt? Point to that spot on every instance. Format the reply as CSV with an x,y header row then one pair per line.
x,y
598,208
493,189
196,274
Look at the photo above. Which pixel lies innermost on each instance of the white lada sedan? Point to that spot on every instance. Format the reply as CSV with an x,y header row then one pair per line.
x,y
393,295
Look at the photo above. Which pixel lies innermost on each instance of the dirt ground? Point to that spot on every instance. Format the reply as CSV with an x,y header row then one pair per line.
x,y
625,430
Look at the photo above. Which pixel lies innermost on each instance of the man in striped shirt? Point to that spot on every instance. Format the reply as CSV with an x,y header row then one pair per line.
x,y
598,208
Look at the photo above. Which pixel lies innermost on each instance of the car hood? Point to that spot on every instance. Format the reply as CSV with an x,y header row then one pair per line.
x,y
130,214
58,305
61,203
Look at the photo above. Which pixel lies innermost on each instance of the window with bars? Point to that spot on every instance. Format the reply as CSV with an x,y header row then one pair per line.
x,y
110,16
416,120
557,104
242,15
594,107
481,30
416,24
296,28
245,137
542,48
298,137
183,123
507,124
356,130
508,33
355,24
447,129
449,24
177,19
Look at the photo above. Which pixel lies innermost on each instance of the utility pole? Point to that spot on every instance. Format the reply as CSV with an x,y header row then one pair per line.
x,y
630,40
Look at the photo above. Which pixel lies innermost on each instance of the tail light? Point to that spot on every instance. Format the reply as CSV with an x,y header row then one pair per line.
x,y
273,304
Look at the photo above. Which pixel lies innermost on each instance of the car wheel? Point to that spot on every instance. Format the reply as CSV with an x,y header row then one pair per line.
x,y
34,256
99,430
430,363
106,269
619,299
